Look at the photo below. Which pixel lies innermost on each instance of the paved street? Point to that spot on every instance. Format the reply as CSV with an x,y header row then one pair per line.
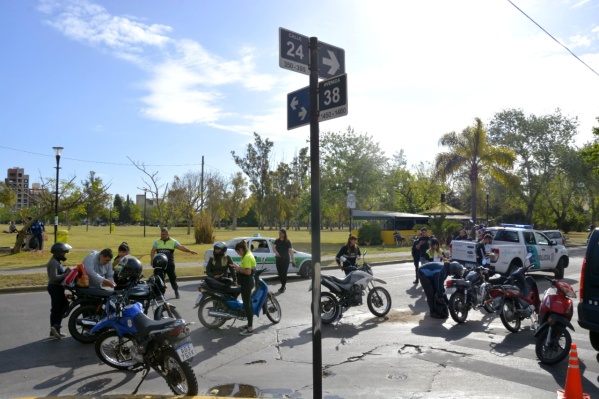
x,y
404,355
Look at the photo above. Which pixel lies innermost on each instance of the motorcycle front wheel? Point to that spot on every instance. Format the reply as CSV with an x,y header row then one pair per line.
x,y
179,375
162,312
211,304
379,301
82,320
458,308
329,307
116,351
272,309
557,348
509,317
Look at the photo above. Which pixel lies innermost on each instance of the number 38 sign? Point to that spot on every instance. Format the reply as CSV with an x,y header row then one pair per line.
x,y
332,98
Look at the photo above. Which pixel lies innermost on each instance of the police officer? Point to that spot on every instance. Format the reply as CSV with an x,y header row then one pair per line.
x,y
167,245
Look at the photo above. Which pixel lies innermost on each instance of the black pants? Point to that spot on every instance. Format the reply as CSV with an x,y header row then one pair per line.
x,y
282,269
416,264
58,304
247,284
172,276
40,241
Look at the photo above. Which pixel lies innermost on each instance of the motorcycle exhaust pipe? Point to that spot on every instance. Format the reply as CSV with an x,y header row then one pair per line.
x,y
220,314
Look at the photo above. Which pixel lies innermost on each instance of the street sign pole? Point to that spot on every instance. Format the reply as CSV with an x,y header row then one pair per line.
x,y
315,207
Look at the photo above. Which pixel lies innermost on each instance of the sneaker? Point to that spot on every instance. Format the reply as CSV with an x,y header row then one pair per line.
x,y
243,328
177,296
246,332
415,281
282,289
55,333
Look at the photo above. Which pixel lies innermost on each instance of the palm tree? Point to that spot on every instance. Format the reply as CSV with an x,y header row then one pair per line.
x,y
471,155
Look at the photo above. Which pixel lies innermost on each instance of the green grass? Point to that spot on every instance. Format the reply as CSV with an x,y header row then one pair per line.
x,y
83,240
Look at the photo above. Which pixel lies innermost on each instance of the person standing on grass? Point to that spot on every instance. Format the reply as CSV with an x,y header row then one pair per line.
x,y
245,277
284,255
167,245
56,275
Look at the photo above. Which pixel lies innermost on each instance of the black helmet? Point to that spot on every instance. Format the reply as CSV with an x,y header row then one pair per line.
x,y
220,245
160,261
59,250
130,270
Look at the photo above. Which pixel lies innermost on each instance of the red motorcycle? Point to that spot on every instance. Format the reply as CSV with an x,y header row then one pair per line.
x,y
553,339
518,298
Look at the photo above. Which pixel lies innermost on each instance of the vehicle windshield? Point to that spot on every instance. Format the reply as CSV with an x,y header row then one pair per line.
x,y
552,234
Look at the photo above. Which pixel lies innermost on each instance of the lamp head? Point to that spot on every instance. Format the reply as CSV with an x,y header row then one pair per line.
x,y
58,150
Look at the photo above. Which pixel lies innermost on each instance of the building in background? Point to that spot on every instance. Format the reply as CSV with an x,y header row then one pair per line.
x,y
19,182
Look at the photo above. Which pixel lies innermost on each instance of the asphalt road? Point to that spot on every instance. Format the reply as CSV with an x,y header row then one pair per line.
x,y
404,355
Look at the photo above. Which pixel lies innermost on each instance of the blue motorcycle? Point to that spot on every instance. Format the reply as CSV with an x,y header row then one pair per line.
x,y
217,302
127,339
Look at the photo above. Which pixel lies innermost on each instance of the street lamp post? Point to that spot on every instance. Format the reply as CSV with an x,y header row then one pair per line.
x,y
487,208
57,150
145,202
110,221
350,180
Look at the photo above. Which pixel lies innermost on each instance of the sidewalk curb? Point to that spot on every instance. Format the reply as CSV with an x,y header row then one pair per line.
x,y
39,288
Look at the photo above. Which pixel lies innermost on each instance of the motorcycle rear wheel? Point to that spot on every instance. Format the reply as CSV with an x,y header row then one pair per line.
x,y
179,375
116,351
90,313
272,309
558,347
457,307
509,317
379,301
329,307
211,304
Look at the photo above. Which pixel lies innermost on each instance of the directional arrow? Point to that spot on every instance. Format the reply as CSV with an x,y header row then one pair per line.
x,y
303,113
332,62
294,103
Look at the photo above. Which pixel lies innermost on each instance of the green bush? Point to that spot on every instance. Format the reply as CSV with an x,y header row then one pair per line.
x,y
203,228
369,234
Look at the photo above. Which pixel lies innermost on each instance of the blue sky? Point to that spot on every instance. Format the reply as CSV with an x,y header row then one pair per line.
x,y
167,82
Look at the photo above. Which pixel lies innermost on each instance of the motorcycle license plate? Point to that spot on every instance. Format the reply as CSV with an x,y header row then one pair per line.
x,y
186,351
449,290
198,299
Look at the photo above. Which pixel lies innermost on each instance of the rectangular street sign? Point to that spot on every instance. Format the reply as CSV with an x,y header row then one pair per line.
x,y
331,60
332,98
298,108
294,52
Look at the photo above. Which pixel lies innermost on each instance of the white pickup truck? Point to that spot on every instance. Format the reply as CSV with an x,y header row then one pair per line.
x,y
509,247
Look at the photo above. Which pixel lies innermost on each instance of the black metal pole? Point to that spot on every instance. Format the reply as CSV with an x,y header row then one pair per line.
x,y
487,209
145,201
56,204
110,222
315,207
350,211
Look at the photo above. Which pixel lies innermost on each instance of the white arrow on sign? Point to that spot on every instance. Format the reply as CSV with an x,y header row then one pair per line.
x,y
294,102
303,113
332,62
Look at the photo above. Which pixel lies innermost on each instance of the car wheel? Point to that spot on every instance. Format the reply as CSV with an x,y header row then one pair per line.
x,y
306,269
594,337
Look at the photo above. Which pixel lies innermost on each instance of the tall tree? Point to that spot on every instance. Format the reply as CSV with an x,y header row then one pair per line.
x,y
118,207
236,203
97,197
536,140
470,155
256,165
154,188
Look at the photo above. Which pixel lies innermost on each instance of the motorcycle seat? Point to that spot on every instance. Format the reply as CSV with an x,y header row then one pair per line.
x,y
342,281
217,285
145,325
95,292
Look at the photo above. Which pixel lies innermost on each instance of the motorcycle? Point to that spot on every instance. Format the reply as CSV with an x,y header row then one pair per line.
x,y
88,304
553,339
127,339
347,292
469,292
217,302
517,298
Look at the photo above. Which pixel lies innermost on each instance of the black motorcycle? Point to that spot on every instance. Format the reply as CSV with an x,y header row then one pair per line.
x,y
469,292
89,304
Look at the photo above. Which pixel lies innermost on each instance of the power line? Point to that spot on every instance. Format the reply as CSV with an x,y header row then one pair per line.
x,y
557,41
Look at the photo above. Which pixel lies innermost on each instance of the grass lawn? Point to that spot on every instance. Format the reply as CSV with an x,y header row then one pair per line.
x,y
83,240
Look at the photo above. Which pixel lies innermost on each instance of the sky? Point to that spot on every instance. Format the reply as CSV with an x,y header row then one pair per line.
x,y
165,83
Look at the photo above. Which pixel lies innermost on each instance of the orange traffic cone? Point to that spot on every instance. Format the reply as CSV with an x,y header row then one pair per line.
x,y
573,381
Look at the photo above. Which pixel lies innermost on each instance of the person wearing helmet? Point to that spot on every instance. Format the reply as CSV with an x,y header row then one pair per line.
x,y
99,269
220,265
167,245
56,274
